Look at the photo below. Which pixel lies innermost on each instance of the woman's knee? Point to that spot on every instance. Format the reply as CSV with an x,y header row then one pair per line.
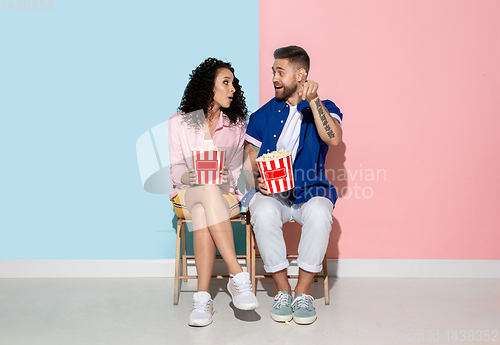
x,y
198,211
198,215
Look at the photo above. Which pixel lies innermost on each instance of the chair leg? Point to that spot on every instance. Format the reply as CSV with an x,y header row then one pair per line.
x,y
177,261
325,281
184,259
252,260
248,256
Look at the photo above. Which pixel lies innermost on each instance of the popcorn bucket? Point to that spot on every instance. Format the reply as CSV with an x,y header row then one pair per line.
x,y
208,166
277,174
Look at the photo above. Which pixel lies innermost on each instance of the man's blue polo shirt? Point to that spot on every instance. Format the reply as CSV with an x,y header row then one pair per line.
x,y
264,130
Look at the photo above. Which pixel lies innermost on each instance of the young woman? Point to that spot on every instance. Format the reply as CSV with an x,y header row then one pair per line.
x,y
212,113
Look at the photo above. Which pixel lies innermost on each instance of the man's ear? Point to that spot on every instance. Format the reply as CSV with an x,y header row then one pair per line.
x,y
301,75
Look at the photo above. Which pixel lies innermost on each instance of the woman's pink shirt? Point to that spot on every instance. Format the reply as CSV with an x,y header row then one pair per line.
x,y
182,139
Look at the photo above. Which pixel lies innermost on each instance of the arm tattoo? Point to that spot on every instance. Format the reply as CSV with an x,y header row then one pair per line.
x,y
322,117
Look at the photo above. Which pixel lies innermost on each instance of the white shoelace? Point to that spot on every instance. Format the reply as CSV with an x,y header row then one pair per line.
x,y
243,286
303,301
280,300
201,305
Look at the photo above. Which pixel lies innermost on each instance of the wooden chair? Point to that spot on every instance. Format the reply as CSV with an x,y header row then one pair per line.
x,y
254,276
181,242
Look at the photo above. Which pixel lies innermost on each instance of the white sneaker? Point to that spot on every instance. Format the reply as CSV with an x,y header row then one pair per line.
x,y
240,288
203,309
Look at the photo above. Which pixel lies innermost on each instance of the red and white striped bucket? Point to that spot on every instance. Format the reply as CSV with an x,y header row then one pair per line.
x,y
277,174
208,166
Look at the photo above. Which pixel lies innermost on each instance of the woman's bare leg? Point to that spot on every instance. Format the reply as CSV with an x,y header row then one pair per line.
x,y
217,218
204,248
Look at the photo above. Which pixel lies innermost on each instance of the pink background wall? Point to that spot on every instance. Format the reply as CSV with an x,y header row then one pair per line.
x,y
418,83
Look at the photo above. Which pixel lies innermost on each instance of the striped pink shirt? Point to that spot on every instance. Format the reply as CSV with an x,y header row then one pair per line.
x,y
182,139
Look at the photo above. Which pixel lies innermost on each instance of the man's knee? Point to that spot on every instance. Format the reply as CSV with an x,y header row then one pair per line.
x,y
264,209
318,209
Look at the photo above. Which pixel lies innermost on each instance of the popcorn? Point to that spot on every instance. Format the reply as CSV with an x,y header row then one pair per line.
x,y
207,148
277,171
274,155
208,163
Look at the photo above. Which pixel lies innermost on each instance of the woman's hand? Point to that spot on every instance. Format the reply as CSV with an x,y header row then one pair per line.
x,y
189,177
225,174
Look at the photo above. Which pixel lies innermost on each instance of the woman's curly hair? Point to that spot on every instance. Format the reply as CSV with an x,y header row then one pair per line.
x,y
199,95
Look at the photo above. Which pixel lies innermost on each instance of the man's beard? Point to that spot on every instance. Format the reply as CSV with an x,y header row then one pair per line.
x,y
288,91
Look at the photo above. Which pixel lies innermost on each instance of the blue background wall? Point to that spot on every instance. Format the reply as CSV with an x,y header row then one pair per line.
x,y
78,86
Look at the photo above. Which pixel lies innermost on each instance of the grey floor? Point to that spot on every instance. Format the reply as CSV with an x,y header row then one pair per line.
x,y
141,311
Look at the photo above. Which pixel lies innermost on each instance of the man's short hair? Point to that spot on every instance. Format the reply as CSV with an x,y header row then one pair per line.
x,y
295,55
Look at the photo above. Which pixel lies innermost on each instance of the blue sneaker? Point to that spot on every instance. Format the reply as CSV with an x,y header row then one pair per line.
x,y
303,309
282,307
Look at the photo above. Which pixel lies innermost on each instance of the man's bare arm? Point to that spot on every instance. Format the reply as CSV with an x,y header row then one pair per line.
x,y
328,128
251,170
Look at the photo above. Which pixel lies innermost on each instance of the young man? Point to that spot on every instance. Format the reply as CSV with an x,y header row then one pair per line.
x,y
298,121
